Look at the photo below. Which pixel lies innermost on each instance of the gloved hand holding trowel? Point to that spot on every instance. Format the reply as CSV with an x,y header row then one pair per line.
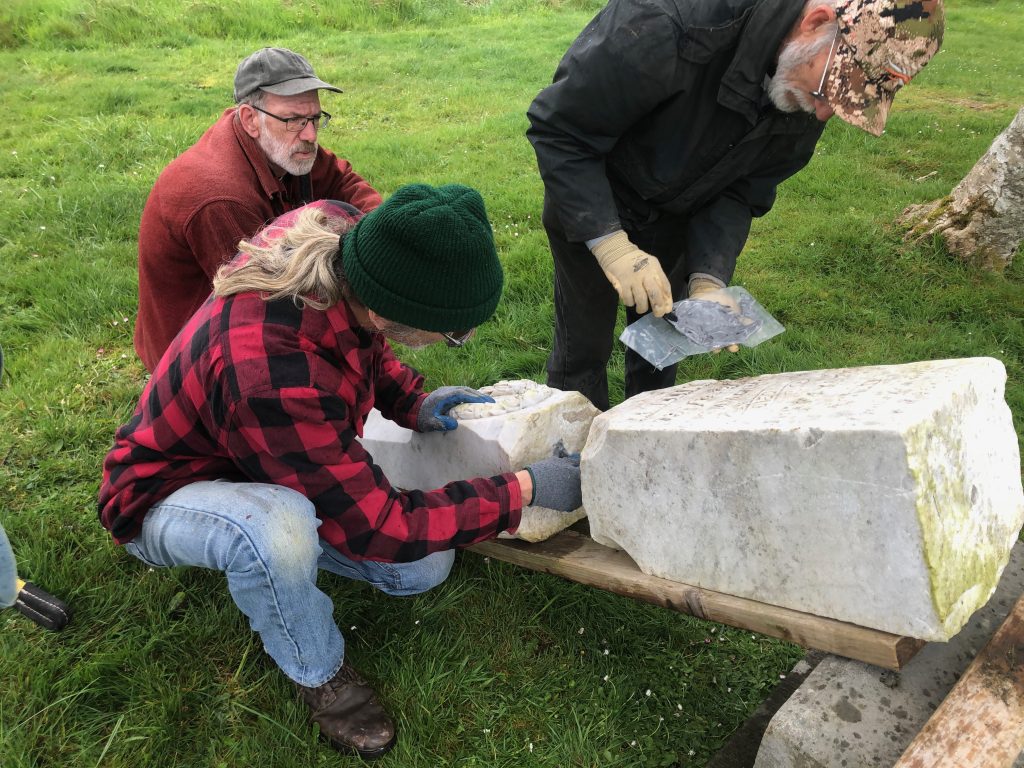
x,y
711,319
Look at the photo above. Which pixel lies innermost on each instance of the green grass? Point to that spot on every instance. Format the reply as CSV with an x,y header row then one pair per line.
x,y
499,666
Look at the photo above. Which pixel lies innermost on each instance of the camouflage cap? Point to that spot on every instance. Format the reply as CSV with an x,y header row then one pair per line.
x,y
881,44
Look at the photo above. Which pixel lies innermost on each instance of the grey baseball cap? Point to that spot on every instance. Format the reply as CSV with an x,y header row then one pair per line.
x,y
278,71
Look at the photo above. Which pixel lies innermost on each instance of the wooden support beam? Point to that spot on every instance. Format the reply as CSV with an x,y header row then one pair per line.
x,y
980,723
575,556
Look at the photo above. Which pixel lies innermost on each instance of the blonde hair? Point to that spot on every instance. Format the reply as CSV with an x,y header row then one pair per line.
x,y
302,263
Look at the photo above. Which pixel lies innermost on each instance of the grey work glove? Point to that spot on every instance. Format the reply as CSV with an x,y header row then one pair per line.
x,y
433,415
556,483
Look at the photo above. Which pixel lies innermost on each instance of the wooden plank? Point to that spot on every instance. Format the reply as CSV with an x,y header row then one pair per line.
x,y
980,723
575,556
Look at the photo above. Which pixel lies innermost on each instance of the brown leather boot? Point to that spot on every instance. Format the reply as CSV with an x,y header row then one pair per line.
x,y
349,716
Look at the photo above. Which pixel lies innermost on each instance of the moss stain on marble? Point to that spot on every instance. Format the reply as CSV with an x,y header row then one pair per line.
x,y
963,562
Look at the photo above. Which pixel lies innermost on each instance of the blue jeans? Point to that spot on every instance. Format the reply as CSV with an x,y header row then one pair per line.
x,y
264,538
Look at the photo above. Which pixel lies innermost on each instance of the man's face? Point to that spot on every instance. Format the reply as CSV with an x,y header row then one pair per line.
x,y
287,151
799,71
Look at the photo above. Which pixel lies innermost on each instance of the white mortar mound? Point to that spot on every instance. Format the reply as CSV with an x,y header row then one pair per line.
x,y
524,424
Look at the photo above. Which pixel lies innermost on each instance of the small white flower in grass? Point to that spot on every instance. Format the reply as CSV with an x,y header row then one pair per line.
x,y
782,677
679,707
352,628
42,227
582,630
691,753
632,743
648,692
605,651
14,151
417,621
124,319
487,730
531,747
606,678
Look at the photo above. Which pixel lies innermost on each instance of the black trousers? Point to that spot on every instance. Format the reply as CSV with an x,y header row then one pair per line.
x,y
586,308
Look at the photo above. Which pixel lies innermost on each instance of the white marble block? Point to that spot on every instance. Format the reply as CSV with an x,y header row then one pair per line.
x,y
523,425
886,496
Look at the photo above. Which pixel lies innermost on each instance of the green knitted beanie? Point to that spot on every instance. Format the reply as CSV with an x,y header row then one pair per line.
x,y
426,258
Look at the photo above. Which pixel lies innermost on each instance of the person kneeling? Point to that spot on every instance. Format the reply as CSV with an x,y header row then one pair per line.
x,y
243,453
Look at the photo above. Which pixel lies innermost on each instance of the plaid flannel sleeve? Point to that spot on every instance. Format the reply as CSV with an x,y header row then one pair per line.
x,y
303,438
398,390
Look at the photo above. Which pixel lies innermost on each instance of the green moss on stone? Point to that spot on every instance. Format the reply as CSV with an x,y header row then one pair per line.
x,y
964,556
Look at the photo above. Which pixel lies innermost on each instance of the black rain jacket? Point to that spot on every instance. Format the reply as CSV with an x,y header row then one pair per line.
x,y
659,108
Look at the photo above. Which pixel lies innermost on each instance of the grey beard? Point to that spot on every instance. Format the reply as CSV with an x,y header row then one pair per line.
x,y
280,154
783,93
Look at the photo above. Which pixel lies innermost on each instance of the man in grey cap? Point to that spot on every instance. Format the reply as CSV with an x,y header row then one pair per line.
x,y
669,126
261,159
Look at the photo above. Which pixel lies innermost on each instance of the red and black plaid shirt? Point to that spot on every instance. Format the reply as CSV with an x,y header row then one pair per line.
x,y
267,392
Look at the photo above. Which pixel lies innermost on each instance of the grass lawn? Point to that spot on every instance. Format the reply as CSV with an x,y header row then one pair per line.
x,y
499,666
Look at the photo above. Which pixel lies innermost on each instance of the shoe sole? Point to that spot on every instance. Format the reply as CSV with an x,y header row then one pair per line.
x,y
348,749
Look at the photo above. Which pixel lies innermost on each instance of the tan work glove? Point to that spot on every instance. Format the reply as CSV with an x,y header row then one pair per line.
x,y
706,289
637,276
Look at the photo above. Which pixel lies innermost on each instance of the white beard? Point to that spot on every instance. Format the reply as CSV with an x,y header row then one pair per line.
x,y
786,96
280,153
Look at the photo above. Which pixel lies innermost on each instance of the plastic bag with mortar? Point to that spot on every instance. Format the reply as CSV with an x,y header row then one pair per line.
x,y
699,325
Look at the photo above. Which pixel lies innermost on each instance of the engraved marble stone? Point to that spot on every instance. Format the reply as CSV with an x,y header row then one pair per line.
x,y
886,496
524,424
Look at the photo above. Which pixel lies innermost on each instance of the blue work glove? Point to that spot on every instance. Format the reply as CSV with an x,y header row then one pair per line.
x,y
433,415
556,483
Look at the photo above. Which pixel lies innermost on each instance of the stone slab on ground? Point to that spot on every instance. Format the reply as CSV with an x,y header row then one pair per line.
x,y
741,749
524,424
884,496
847,714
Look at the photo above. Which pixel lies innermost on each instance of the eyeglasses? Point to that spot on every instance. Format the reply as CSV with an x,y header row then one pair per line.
x,y
457,338
297,124
820,93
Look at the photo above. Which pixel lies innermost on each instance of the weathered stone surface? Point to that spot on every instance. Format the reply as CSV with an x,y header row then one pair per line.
x,y
524,424
847,713
982,219
885,496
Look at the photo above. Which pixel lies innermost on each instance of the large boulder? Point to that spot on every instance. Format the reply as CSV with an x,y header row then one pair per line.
x,y
886,496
